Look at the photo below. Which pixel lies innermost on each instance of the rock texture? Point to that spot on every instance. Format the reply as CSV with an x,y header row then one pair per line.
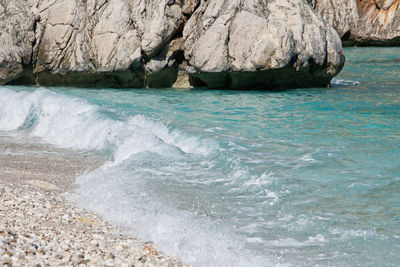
x,y
114,38
367,22
16,38
154,43
261,44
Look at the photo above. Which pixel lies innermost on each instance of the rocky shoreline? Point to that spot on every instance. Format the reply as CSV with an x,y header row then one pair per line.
x,y
38,227
362,23
187,43
180,43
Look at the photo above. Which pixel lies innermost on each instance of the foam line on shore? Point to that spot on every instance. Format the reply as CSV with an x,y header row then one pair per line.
x,y
58,233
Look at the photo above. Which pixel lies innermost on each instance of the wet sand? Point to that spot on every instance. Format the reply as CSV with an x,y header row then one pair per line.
x,y
23,162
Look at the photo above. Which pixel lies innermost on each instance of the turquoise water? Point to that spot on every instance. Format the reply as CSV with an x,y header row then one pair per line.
x,y
238,178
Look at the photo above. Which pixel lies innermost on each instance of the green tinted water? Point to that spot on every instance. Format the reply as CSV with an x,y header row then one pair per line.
x,y
226,178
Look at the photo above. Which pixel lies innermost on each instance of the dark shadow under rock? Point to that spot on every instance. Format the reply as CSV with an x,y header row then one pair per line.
x,y
123,79
26,77
377,42
162,79
273,79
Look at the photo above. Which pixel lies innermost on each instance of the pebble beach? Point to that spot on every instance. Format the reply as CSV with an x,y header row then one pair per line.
x,y
40,227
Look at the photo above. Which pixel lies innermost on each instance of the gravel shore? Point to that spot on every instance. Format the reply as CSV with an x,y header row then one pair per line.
x,y
39,227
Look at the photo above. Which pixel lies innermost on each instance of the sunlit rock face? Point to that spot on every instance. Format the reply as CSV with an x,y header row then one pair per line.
x,y
16,38
363,22
104,40
261,43
237,44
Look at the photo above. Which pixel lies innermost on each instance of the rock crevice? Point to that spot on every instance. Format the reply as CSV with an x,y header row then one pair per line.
x,y
149,43
229,39
363,23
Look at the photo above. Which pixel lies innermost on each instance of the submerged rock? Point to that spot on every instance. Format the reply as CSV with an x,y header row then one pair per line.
x,y
157,43
369,22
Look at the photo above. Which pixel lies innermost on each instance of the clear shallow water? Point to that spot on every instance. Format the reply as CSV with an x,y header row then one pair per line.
x,y
226,178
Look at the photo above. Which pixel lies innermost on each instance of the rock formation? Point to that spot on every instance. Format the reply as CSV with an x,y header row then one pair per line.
x,y
16,38
157,43
363,22
107,42
260,44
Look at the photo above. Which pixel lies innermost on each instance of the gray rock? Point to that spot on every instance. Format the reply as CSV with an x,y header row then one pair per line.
x,y
265,44
378,24
384,4
152,43
370,22
103,36
88,43
341,14
16,38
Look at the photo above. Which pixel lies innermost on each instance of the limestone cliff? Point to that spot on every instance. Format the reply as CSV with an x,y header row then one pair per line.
x,y
259,43
109,41
16,38
363,22
154,43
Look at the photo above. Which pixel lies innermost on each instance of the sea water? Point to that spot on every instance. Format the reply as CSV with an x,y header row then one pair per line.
x,y
301,177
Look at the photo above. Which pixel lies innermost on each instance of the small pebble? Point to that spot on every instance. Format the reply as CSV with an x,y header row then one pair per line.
x,y
42,229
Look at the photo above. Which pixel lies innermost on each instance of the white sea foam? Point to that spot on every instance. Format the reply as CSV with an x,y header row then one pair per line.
x,y
316,240
70,122
341,82
57,119
344,234
307,158
197,240
234,196
138,148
